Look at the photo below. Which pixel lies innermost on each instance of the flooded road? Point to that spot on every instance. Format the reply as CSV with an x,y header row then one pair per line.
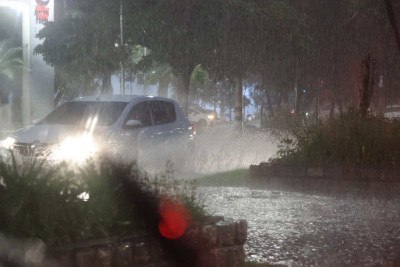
x,y
304,230
223,148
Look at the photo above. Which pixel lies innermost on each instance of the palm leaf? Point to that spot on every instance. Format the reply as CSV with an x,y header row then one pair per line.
x,y
10,58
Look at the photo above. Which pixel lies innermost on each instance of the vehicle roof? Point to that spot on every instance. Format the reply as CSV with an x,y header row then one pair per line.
x,y
115,98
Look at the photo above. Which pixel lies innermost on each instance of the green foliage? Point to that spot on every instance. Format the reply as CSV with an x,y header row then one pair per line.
x,y
164,184
281,43
347,139
46,202
10,58
60,205
181,41
199,75
39,202
203,89
82,46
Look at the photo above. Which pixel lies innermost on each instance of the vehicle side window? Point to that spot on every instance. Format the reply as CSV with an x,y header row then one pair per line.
x,y
163,112
141,113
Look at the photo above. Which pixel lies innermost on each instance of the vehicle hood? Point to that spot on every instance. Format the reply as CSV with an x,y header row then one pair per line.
x,y
49,134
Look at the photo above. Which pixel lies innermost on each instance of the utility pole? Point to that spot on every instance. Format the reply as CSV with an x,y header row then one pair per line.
x,y
121,35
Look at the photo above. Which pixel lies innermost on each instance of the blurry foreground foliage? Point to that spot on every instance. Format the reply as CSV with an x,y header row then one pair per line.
x,y
347,139
50,202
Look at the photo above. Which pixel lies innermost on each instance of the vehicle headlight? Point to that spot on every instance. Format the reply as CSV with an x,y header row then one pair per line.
x,y
211,116
76,149
7,143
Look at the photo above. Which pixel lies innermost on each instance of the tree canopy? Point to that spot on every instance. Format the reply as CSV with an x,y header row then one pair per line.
x,y
279,44
82,45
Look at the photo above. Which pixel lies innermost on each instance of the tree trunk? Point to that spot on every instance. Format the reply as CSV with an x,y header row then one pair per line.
x,y
230,106
106,87
298,103
283,97
270,107
58,85
163,85
262,126
317,106
213,88
239,102
332,110
340,104
222,110
280,98
367,82
183,90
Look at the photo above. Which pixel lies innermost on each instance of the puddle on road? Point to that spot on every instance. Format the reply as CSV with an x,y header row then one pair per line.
x,y
306,230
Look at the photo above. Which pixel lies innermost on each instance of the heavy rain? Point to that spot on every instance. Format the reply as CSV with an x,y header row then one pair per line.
x,y
199,133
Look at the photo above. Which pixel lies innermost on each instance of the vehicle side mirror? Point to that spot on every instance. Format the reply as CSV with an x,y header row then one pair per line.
x,y
132,124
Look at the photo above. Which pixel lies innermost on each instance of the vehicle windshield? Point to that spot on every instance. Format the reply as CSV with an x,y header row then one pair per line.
x,y
78,113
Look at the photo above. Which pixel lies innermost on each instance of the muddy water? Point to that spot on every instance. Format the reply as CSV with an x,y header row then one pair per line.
x,y
304,230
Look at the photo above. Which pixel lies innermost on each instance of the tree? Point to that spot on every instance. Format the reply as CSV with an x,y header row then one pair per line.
x,y
254,32
161,74
328,43
283,44
82,46
180,33
368,70
202,88
351,29
393,21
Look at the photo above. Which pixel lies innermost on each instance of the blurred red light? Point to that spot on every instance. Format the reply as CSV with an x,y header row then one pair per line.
x,y
174,219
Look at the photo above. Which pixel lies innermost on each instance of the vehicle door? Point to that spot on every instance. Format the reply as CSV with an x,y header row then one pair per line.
x,y
164,120
137,129
165,133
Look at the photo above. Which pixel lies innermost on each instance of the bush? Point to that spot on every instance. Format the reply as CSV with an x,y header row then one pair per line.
x,y
59,205
346,139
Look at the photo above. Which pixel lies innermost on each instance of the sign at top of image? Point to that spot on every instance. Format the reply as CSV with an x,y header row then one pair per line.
x,y
43,11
